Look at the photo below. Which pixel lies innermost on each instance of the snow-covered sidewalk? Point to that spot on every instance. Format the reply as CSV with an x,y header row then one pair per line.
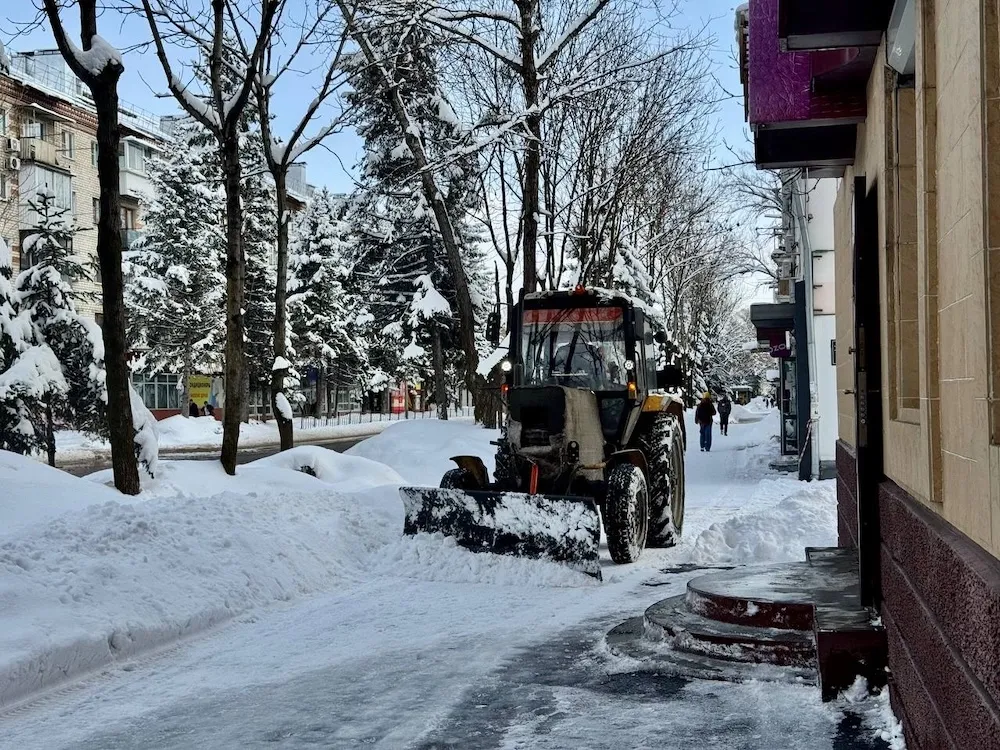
x,y
188,434
342,632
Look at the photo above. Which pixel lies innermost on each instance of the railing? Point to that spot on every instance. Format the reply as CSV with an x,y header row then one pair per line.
x,y
357,417
35,68
132,115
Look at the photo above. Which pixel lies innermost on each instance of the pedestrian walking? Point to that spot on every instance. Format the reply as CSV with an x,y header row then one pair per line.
x,y
725,409
703,415
193,409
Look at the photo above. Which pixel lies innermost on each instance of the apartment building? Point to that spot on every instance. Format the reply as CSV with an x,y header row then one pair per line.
x,y
899,103
48,129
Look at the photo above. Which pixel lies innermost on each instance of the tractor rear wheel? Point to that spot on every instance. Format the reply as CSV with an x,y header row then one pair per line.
x,y
662,443
626,513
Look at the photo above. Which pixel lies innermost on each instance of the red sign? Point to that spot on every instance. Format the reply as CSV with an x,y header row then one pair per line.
x,y
574,315
781,351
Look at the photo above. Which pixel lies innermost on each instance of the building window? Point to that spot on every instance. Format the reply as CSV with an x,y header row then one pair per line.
x,y
99,319
158,391
128,218
4,187
3,121
68,143
93,153
132,156
39,178
96,205
32,128
833,352
901,256
74,203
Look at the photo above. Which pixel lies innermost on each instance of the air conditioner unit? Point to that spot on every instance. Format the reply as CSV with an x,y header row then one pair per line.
x,y
13,163
13,144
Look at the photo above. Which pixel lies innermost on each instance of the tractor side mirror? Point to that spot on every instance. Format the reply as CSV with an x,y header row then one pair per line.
x,y
669,377
660,337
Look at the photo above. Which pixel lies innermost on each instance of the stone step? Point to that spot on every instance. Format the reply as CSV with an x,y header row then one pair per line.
x,y
765,596
629,641
670,620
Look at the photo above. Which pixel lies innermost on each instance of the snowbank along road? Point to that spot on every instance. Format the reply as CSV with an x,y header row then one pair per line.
x,y
289,612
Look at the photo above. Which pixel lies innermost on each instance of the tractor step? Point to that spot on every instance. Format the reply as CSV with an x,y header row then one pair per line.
x,y
563,529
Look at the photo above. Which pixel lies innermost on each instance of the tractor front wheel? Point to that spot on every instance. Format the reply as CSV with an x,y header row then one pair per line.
x,y
626,513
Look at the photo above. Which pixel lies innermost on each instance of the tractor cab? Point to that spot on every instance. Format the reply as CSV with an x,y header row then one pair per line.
x,y
587,340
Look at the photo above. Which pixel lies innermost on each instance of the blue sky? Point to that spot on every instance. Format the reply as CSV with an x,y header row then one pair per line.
x,y
143,83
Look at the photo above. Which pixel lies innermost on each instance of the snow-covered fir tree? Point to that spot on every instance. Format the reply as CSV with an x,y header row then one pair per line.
x,y
401,249
30,374
46,296
175,283
327,309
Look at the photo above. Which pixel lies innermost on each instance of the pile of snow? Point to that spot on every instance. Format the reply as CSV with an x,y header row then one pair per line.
x,y
805,516
349,473
759,404
743,415
181,430
88,577
420,449
34,493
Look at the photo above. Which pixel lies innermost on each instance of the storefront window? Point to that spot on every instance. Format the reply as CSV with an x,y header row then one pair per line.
x,y
158,391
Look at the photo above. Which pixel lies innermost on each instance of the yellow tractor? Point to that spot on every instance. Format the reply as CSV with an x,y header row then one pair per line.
x,y
592,432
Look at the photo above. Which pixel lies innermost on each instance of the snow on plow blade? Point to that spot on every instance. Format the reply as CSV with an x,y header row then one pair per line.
x,y
562,529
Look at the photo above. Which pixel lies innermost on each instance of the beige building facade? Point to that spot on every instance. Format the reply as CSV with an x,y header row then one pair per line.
x,y
900,101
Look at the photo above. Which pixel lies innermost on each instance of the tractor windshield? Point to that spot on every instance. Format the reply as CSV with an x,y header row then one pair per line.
x,y
575,347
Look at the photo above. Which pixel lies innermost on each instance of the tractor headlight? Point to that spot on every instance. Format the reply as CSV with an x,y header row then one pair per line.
x,y
629,364
506,365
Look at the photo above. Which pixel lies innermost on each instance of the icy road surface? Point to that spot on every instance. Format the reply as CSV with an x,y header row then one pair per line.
x,y
428,646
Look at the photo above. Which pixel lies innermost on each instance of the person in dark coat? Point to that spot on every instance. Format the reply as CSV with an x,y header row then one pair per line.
x,y
703,416
193,409
725,409
209,410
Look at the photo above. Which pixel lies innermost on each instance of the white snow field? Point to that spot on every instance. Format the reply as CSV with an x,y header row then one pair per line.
x,y
281,609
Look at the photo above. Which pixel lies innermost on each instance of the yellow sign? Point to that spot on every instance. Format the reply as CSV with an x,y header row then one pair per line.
x,y
201,387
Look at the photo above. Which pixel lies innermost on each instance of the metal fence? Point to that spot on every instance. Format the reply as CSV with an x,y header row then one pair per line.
x,y
357,417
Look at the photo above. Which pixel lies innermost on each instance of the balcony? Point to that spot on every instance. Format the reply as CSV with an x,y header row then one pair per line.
x,y
831,24
132,184
41,151
804,106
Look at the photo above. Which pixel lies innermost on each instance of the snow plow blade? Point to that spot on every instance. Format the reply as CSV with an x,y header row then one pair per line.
x,y
562,529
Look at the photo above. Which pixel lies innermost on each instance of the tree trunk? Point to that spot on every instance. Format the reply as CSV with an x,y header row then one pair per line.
x,y
50,435
280,312
532,151
488,407
322,407
235,282
440,384
109,253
